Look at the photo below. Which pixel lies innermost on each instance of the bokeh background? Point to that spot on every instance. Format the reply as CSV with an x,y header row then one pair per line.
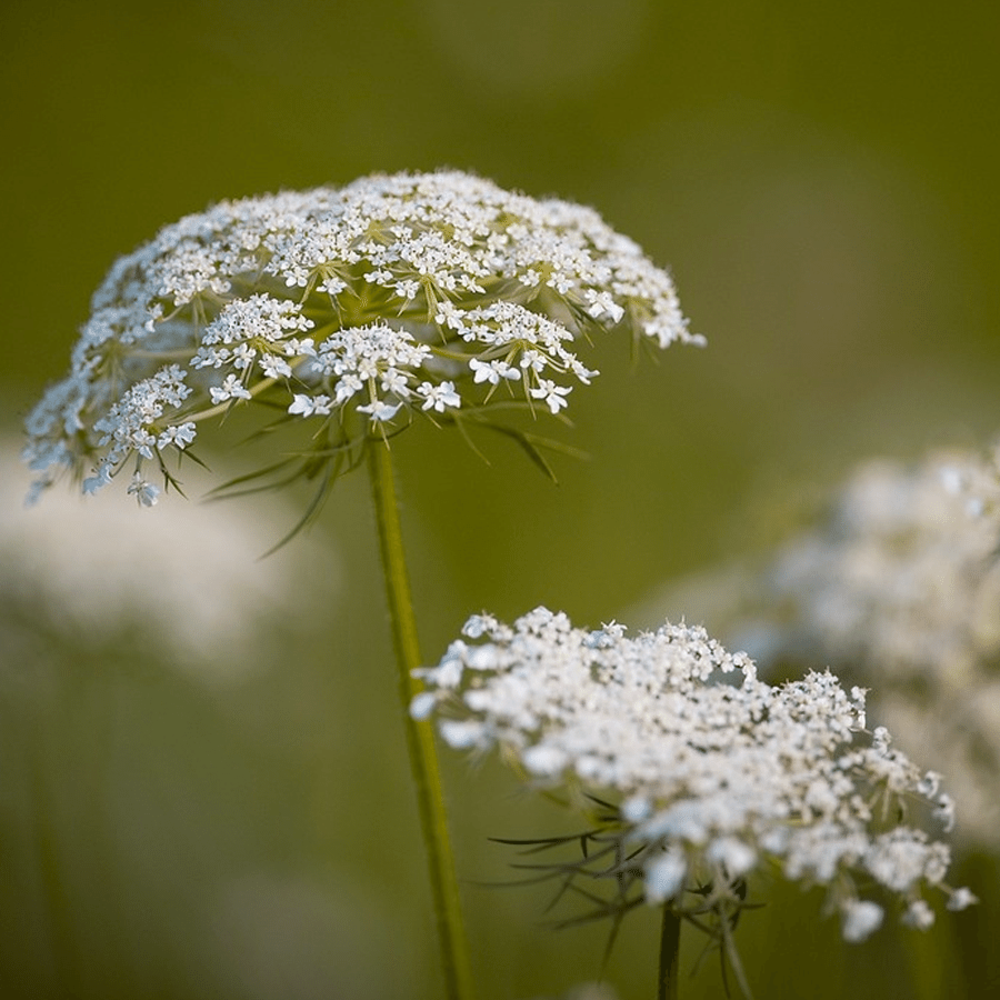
x,y
184,817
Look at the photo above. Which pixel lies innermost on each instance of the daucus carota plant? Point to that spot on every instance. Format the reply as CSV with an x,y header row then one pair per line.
x,y
704,773
352,311
349,313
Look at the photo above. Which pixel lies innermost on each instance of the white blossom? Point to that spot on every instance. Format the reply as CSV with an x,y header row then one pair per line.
x,y
918,914
442,281
231,388
901,574
439,397
899,589
554,395
493,371
308,406
861,919
187,586
666,875
961,899
716,772
146,493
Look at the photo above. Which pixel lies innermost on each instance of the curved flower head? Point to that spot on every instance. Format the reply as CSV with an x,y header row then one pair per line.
x,y
355,310
711,773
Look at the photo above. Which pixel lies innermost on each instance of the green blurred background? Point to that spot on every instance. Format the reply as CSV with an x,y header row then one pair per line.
x,y
822,181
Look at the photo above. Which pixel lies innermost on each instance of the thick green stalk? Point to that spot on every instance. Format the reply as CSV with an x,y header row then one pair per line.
x,y
419,735
670,947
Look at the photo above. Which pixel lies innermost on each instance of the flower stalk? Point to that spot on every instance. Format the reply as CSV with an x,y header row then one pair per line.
x,y
670,948
456,964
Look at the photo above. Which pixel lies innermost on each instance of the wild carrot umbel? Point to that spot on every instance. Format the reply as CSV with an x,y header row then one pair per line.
x,y
705,772
343,316
348,312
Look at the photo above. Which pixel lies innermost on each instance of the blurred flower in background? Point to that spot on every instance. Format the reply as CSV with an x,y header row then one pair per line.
x,y
187,581
898,589
138,780
710,773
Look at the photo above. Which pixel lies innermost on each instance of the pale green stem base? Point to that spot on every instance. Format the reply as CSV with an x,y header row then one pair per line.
x,y
670,947
419,735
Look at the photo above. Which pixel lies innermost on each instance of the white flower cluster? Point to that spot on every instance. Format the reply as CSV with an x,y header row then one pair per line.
x,y
716,772
189,586
412,293
904,574
901,590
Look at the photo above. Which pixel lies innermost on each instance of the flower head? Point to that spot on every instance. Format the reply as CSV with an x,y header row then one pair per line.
x,y
903,574
188,589
899,589
714,772
366,306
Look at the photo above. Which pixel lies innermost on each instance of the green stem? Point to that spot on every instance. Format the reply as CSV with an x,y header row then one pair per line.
x,y
419,735
64,954
670,947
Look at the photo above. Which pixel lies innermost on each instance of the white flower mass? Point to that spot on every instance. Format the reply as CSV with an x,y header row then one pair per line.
x,y
715,772
190,586
903,574
900,589
389,298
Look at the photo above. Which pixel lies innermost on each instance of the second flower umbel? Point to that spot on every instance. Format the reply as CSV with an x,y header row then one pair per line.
x,y
709,773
